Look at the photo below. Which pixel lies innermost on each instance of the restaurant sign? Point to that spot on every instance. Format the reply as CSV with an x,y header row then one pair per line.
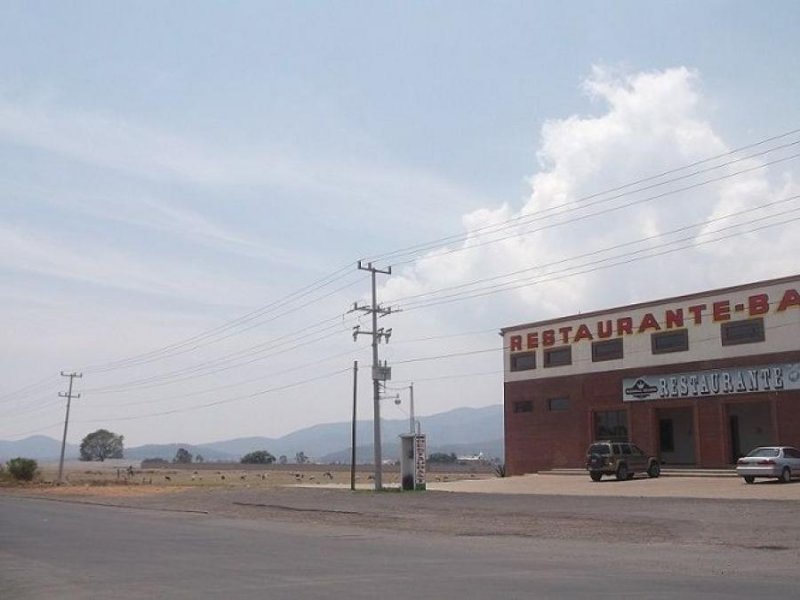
x,y
717,382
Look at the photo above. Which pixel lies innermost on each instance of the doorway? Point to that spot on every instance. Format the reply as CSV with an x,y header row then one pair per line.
x,y
749,426
676,436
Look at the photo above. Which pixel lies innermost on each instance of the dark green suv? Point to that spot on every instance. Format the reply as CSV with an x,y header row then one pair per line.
x,y
621,459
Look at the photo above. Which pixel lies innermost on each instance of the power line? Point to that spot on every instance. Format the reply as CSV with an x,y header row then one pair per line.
x,y
604,211
225,401
194,343
498,289
564,273
613,247
492,228
193,374
219,388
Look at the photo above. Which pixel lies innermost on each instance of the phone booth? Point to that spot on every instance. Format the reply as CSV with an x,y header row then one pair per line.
x,y
412,461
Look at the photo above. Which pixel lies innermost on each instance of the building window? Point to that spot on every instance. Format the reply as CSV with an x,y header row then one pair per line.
x,y
556,404
607,350
748,331
523,406
523,361
666,435
558,357
670,341
611,425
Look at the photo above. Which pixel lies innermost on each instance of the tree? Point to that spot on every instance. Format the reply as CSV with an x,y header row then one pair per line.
x,y
259,457
22,469
282,460
300,458
100,445
199,458
442,457
182,457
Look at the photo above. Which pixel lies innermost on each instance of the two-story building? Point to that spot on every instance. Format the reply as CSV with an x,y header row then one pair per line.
x,y
694,380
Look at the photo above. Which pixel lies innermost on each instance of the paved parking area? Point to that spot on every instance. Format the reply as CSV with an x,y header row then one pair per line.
x,y
729,488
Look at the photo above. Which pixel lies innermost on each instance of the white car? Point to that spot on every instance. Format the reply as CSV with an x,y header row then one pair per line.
x,y
781,462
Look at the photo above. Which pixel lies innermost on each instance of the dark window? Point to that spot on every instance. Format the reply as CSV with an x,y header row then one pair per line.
x,y
599,449
791,453
626,449
523,406
558,357
607,350
765,452
554,404
666,435
742,332
670,341
523,362
611,425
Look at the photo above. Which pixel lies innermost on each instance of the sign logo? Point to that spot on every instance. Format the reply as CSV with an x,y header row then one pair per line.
x,y
641,389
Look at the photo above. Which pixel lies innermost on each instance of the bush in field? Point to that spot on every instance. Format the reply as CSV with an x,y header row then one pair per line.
x,y
441,457
259,457
182,457
154,463
22,469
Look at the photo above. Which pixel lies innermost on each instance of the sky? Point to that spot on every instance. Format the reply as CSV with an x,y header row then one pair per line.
x,y
186,189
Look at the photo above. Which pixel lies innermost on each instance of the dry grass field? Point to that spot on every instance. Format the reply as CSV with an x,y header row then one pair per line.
x,y
121,478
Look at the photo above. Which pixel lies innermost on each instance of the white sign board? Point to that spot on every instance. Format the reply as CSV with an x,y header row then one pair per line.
x,y
419,461
717,382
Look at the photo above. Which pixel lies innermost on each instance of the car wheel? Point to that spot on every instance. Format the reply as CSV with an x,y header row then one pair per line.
x,y
786,475
749,479
622,472
596,475
654,470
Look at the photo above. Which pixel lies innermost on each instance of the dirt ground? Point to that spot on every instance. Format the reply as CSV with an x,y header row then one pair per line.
x,y
718,510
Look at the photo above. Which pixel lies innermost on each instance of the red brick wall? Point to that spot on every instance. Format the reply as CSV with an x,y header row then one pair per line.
x,y
541,439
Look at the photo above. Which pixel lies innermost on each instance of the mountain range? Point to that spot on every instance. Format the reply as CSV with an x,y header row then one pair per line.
x,y
463,431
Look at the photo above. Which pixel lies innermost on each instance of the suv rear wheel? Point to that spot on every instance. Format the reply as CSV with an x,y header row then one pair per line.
x,y
654,470
622,472
595,475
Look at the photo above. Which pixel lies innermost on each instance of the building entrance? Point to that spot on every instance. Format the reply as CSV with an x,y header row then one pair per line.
x,y
676,436
749,426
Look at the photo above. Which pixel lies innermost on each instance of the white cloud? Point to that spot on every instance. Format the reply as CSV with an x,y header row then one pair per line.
x,y
650,122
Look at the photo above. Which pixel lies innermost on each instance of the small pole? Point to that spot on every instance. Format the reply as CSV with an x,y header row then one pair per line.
x,y
411,412
353,434
69,396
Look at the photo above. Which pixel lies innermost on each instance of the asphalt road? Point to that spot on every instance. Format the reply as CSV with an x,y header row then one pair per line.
x,y
55,550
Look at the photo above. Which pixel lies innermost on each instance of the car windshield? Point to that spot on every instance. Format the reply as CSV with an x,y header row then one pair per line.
x,y
764,452
598,449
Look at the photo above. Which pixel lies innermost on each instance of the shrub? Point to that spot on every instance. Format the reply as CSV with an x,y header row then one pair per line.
x,y
22,469
500,470
259,457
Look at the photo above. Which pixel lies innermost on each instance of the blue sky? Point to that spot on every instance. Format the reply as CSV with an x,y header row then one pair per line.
x,y
167,167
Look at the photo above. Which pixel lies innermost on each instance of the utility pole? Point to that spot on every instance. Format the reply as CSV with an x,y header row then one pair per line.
x,y
412,426
69,396
353,433
379,373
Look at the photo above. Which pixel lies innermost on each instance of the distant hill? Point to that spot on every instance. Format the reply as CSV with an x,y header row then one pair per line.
x,y
168,451
462,430
39,447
